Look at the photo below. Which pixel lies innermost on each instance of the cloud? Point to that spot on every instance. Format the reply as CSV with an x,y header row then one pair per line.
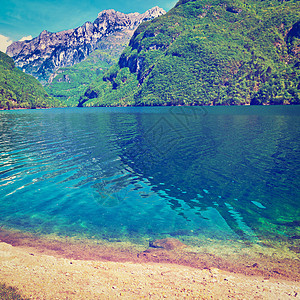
x,y
26,38
4,42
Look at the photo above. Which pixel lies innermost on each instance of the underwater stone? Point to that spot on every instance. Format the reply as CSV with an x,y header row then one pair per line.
x,y
167,243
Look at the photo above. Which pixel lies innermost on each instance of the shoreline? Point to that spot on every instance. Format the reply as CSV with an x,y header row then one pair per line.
x,y
127,106
78,269
40,276
269,260
23,108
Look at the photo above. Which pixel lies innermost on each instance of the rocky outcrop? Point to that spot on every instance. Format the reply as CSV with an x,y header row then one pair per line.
x,y
48,52
167,243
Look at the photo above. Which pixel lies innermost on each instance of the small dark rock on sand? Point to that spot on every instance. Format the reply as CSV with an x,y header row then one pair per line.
x,y
167,243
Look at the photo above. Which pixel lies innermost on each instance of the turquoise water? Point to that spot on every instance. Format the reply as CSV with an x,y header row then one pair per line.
x,y
131,173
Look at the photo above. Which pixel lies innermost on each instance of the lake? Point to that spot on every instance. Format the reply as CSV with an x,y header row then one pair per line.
x,y
220,174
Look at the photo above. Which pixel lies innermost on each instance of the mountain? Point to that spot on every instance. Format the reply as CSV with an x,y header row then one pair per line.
x,y
19,90
48,52
69,83
208,52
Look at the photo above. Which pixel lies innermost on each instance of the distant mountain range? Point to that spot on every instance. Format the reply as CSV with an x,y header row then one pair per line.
x,y
45,54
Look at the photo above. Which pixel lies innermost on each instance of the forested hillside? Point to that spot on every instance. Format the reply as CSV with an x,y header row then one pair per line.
x,y
113,31
19,90
69,83
208,52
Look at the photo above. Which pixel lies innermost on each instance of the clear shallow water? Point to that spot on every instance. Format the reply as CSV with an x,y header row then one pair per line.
x,y
131,173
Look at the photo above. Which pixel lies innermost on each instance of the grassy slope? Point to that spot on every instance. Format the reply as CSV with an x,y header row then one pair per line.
x,y
208,52
71,82
19,90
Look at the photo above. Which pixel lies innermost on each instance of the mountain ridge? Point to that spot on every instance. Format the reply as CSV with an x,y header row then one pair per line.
x,y
49,51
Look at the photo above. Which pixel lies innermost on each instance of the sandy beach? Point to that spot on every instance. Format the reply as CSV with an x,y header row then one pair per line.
x,y
53,272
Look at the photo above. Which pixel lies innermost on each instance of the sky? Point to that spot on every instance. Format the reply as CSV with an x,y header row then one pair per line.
x,y
26,19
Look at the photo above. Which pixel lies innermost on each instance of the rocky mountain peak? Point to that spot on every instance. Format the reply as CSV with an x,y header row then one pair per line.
x,y
106,12
44,32
155,11
48,52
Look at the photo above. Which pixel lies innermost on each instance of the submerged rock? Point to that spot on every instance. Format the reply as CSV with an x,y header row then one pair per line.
x,y
167,243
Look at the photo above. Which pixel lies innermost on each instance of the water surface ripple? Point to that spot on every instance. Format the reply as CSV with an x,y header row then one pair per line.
x,y
218,172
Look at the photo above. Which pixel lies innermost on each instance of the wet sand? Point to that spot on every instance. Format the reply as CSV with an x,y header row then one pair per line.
x,y
58,269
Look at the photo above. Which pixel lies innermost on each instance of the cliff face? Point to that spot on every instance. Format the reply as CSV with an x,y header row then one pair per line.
x,y
48,52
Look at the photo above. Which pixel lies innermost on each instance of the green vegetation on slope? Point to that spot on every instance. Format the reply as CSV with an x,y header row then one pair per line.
x,y
68,84
71,82
19,90
208,52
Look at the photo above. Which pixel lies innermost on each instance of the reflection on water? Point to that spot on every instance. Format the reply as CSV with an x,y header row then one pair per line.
x,y
221,172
